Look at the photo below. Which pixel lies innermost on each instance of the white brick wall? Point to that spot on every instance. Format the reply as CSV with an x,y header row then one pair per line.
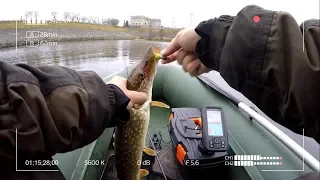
x,y
144,22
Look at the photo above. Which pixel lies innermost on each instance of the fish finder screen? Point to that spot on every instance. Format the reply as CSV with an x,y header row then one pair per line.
x,y
214,123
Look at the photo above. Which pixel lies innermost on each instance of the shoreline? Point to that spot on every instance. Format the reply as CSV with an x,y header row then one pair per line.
x,y
10,44
23,43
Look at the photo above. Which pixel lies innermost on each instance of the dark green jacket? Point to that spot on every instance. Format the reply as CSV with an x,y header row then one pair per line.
x,y
272,60
53,110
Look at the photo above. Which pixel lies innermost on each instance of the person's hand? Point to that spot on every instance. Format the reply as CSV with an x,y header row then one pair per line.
x,y
138,98
182,48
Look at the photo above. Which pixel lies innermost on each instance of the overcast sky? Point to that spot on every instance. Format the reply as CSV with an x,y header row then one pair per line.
x,y
166,10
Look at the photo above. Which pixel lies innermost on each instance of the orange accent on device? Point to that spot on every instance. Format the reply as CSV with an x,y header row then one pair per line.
x,y
170,117
197,121
180,153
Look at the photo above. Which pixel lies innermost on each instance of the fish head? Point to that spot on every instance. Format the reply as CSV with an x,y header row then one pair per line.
x,y
141,77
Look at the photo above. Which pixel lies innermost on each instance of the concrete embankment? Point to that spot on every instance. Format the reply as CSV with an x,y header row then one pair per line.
x,y
10,36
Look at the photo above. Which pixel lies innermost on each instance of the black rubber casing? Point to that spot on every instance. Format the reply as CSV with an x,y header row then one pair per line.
x,y
183,131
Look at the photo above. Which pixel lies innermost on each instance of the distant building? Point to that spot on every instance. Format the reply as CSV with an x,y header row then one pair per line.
x,y
143,21
156,23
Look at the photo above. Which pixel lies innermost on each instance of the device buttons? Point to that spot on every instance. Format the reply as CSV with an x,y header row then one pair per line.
x,y
210,142
211,145
216,140
222,144
217,146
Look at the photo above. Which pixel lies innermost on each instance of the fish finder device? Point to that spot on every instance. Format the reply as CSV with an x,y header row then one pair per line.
x,y
200,138
214,130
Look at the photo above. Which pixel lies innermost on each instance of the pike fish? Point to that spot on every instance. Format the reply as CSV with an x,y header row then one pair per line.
x,y
129,139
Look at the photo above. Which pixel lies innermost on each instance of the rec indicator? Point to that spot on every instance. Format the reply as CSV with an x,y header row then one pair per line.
x,y
252,160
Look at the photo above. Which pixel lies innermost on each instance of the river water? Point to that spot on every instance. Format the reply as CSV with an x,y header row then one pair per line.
x,y
102,56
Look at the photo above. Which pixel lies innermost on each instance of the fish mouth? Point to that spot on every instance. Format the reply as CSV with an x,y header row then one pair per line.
x,y
142,75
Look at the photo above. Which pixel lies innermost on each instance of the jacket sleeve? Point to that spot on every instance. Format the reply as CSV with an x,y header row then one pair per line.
x,y
272,60
54,110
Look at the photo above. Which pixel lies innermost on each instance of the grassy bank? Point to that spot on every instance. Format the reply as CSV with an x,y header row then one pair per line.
x,y
12,25
22,25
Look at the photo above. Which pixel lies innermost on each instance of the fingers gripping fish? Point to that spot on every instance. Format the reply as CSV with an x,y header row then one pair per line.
x,y
130,138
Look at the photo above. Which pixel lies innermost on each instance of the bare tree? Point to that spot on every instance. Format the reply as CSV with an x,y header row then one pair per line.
x,y
36,15
66,16
113,21
77,17
73,16
105,21
84,19
26,14
96,20
30,13
90,19
54,16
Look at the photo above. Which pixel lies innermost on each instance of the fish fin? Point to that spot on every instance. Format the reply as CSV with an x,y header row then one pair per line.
x,y
149,151
159,104
143,173
137,106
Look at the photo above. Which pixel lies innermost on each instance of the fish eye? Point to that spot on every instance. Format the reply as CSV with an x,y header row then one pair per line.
x,y
141,75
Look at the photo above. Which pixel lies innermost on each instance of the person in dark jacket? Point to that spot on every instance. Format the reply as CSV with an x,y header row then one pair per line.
x,y
263,54
53,110
259,52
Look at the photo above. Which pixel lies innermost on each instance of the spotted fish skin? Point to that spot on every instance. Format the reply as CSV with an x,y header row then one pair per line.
x,y
130,137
